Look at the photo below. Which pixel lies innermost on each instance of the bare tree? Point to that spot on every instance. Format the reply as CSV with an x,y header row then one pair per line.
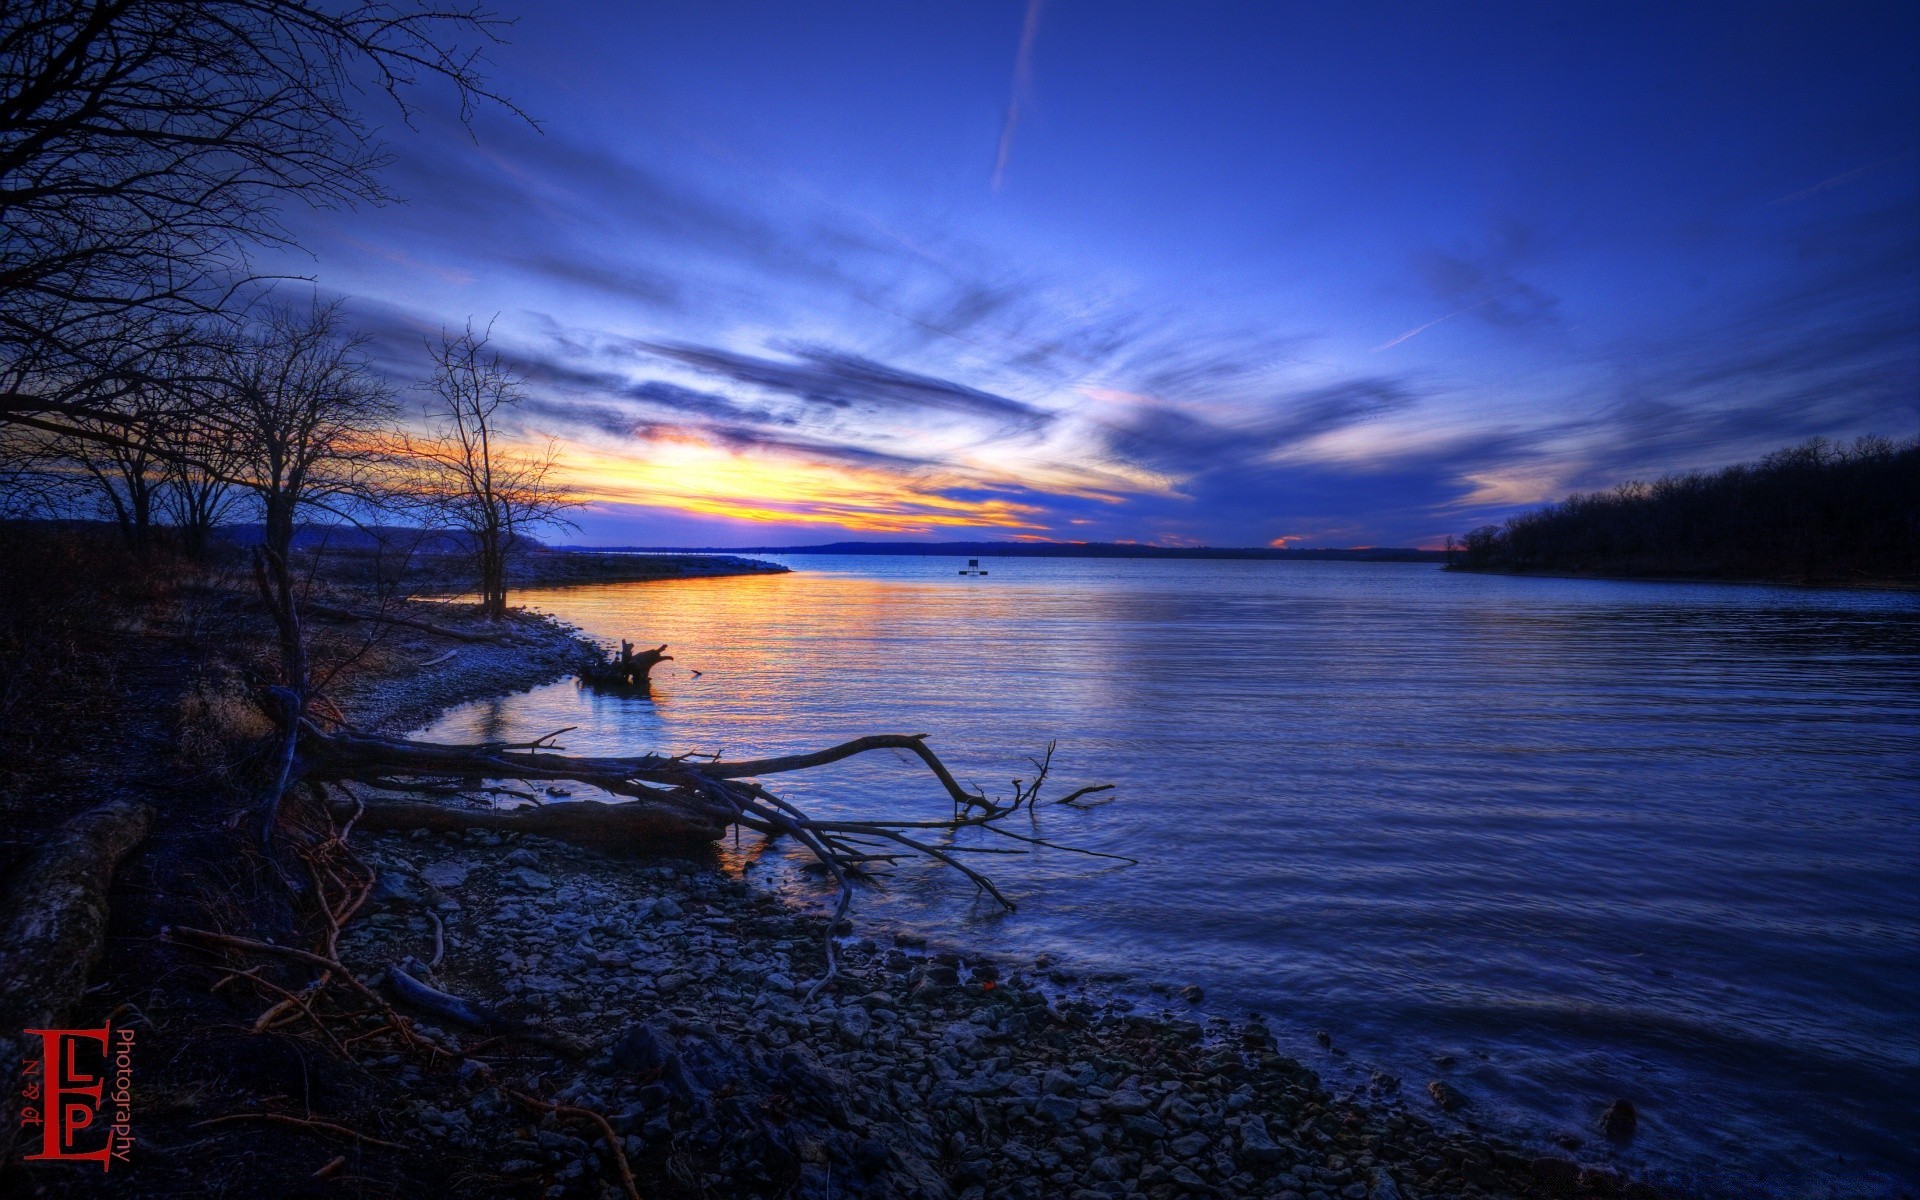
x,y
307,419
145,145
470,476
202,468
119,453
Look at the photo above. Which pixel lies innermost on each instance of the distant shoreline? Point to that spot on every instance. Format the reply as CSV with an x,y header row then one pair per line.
x,y
1850,585
1047,550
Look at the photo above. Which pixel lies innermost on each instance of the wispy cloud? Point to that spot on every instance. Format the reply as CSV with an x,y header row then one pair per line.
x,y
1022,83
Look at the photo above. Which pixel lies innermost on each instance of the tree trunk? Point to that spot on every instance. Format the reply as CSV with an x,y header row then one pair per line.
x,y
638,825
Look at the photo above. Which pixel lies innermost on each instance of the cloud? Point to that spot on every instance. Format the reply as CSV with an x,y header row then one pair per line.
x,y
1022,83
821,375
1486,282
1174,440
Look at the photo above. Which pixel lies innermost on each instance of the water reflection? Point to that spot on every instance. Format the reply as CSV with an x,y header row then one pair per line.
x,y
1593,839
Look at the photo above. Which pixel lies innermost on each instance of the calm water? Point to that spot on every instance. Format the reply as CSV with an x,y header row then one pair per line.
x,y
1593,839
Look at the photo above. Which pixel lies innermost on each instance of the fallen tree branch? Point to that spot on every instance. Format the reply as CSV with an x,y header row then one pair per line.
x,y
674,800
645,823
335,613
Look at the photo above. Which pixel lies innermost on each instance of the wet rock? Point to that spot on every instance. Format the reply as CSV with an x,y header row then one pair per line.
x,y
1058,1109
1620,1120
1193,993
668,909
1058,1083
1323,1037
1447,1097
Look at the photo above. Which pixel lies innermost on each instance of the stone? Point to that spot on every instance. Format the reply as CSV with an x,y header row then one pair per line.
x,y
1144,1127
1189,1145
1620,1120
444,874
1058,1109
1447,1097
1257,1147
529,879
1058,1083
1127,1102
671,982
391,887
853,1025
1193,993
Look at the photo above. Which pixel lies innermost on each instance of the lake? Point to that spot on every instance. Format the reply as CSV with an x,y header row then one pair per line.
x,y
1584,839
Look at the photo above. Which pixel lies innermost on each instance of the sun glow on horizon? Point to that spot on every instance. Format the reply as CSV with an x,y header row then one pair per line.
x,y
688,474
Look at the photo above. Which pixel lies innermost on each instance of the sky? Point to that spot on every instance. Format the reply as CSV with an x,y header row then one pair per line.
x,y
1221,273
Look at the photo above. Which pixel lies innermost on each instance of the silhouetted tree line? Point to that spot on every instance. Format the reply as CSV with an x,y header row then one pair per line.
x,y
146,374
1817,511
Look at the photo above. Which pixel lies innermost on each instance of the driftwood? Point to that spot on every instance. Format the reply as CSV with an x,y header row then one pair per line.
x,y
684,799
627,670
53,925
387,618
640,824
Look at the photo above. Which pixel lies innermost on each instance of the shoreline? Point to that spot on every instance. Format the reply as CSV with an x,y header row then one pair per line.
x,y
453,574
1006,1058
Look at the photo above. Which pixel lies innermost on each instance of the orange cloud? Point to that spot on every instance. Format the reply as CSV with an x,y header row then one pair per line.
x,y
688,474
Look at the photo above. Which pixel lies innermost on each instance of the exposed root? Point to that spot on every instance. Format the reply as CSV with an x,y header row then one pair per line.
x,y
303,1123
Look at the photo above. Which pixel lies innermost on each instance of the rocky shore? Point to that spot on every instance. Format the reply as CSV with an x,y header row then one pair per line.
x,y
916,1074
670,995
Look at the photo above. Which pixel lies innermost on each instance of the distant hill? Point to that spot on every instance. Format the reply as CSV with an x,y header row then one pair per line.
x,y
1053,550
1814,513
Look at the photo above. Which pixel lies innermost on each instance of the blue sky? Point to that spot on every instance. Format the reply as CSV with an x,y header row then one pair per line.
x,y
1239,274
